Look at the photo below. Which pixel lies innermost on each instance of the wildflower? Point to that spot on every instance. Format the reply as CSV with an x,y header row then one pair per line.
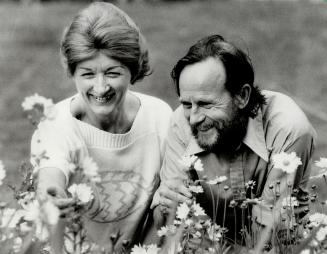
x,y
138,249
321,234
26,198
290,202
2,172
214,232
198,166
81,192
188,161
286,162
182,211
90,169
198,226
196,188
42,215
217,180
163,231
318,218
188,222
198,210
10,217
197,234
39,103
250,184
152,249
322,163
232,204
17,244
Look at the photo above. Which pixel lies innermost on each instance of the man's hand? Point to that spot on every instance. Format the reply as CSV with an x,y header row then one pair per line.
x,y
172,192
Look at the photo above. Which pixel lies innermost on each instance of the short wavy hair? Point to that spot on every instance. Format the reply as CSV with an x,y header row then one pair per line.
x,y
238,66
104,27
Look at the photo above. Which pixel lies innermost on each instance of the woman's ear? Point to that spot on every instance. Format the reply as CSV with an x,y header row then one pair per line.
x,y
242,98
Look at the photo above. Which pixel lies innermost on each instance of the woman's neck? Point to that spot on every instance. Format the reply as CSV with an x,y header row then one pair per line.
x,y
118,121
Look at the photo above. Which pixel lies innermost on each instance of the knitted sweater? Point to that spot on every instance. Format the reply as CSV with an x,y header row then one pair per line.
x,y
128,164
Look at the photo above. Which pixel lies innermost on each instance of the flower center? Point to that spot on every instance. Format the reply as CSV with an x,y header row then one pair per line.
x,y
286,162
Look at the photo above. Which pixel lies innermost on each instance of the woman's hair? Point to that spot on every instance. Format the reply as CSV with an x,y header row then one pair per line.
x,y
103,27
238,66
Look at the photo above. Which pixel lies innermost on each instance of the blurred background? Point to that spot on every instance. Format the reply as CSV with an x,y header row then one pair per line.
x,y
287,41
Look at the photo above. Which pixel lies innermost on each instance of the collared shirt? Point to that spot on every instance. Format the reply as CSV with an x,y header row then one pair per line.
x,y
279,126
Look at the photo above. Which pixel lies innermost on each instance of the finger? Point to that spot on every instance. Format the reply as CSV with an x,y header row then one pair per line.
x,y
63,203
168,203
178,186
174,196
66,211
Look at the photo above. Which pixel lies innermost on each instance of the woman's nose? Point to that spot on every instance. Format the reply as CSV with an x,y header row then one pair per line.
x,y
100,85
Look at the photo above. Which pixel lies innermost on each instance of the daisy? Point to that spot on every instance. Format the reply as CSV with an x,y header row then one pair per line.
x,y
40,103
217,180
163,231
196,188
188,161
198,166
81,192
198,210
152,249
321,234
182,211
318,218
286,162
138,249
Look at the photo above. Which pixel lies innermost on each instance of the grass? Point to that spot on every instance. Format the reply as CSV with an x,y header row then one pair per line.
x,y
287,41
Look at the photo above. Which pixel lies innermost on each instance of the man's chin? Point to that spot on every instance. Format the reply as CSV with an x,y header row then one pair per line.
x,y
207,142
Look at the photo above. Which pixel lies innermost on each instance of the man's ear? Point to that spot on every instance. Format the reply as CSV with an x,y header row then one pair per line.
x,y
242,98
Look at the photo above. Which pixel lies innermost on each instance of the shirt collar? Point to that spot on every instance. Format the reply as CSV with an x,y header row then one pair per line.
x,y
254,139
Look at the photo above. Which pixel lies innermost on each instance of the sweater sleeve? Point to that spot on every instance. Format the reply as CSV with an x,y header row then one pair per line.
x,y
51,148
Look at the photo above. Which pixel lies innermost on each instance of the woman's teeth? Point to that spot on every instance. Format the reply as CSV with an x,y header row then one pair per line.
x,y
102,99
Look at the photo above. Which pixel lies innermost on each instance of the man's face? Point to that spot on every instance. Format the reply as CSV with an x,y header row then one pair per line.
x,y
214,117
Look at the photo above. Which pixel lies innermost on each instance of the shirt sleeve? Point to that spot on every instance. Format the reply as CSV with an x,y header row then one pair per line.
x,y
294,135
175,149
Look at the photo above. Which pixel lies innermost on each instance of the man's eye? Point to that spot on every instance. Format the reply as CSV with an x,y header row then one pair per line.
x,y
186,105
204,104
87,75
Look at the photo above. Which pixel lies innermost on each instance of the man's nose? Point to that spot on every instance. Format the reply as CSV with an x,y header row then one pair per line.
x,y
196,116
100,85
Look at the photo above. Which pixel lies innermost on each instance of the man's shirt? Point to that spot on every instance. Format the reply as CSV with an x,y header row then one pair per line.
x,y
279,126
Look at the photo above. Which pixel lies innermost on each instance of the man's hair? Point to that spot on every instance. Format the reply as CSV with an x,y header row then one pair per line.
x,y
238,66
102,27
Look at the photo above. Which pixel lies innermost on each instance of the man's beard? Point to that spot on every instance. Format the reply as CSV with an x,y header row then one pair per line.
x,y
228,133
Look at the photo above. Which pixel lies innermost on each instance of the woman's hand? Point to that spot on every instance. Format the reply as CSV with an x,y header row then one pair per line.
x,y
173,191
51,184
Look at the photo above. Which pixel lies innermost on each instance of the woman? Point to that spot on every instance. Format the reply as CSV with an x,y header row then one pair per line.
x,y
123,131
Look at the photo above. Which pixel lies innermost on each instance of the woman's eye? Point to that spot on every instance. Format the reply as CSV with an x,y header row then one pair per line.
x,y
113,74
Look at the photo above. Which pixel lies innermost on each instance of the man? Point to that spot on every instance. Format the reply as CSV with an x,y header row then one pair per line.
x,y
235,129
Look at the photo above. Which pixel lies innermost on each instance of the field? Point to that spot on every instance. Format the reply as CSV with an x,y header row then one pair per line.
x,y
287,41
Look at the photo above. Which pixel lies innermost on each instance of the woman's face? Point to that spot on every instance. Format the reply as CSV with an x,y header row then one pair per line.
x,y
102,82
